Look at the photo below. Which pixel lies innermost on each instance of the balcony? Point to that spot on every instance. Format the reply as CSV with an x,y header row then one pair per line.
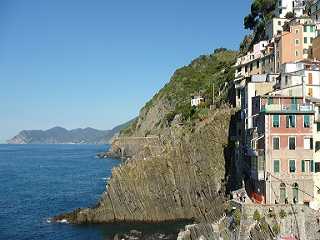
x,y
287,108
258,175
254,152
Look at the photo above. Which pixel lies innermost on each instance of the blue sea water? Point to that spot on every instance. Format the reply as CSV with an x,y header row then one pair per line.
x,y
40,181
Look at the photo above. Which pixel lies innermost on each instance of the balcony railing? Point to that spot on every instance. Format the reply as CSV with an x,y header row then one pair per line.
x,y
287,108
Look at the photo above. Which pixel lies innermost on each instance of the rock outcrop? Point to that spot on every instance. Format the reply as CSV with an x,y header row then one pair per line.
x,y
185,182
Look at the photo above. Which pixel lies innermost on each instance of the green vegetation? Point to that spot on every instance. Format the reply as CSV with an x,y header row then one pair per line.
x,y
282,214
197,77
276,228
256,216
289,15
256,20
237,216
129,129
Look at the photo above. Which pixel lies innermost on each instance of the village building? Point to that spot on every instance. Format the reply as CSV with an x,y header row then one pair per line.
x,y
300,79
280,150
197,100
315,13
275,27
295,43
258,61
283,7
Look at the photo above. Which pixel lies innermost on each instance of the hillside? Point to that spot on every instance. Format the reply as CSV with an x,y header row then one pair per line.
x,y
59,135
172,102
183,177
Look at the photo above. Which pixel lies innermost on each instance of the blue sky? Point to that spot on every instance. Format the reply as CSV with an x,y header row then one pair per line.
x,y
79,63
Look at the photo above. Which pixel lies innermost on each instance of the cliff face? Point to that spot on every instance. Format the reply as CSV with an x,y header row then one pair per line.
x,y
177,154
184,182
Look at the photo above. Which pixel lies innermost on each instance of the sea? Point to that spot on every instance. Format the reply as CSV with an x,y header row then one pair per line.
x,y
41,181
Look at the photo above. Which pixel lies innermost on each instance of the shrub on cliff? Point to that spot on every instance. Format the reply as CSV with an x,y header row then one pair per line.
x,y
256,216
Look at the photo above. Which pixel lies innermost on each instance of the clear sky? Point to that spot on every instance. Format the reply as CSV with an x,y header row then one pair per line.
x,y
79,63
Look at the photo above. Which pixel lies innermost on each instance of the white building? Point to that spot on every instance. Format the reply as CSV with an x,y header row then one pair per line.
x,y
196,100
275,27
285,6
300,80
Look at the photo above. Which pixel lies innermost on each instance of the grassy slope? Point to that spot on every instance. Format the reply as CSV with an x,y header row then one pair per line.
x,y
198,76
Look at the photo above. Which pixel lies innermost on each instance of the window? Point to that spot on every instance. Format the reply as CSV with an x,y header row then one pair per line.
x,y
311,39
310,92
311,28
292,143
297,42
305,40
258,64
297,31
308,166
317,147
305,28
318,127
251,67
279,23
254,163
286,80
306,121
305,51
276,143
270,101
308,143
283,193
276,166
292,166
276,121
297,53
290,121
295,193
303,166
317,167
310,78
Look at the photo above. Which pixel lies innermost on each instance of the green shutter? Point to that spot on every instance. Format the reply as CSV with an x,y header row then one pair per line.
x,y
276,121
303,166
276,166
318,127
306,121
292,166
305,40
312,166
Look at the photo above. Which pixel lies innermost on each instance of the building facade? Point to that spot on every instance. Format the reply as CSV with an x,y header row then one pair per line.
x,y
280,150
285,6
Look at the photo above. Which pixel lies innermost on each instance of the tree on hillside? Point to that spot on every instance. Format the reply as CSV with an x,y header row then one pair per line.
x,y
261,13
289,15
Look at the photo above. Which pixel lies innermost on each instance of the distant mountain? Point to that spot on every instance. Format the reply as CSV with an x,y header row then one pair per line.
x,y
59,135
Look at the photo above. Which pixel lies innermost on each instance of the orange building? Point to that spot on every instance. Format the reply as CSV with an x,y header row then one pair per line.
x,y
295,45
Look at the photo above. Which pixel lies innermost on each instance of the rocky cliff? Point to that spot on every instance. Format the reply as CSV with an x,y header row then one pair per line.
x,y
178,155
185,182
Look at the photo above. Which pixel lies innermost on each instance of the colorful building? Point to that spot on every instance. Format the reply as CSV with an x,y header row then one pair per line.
x,y
295,43
280,150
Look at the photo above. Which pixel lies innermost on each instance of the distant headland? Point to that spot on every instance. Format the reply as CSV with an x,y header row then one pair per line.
x,y
60,135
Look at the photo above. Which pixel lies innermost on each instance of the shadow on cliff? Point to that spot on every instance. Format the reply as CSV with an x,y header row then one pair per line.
x,y
233,172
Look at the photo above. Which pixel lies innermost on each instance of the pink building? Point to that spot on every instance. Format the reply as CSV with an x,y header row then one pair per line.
x,y
280,150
